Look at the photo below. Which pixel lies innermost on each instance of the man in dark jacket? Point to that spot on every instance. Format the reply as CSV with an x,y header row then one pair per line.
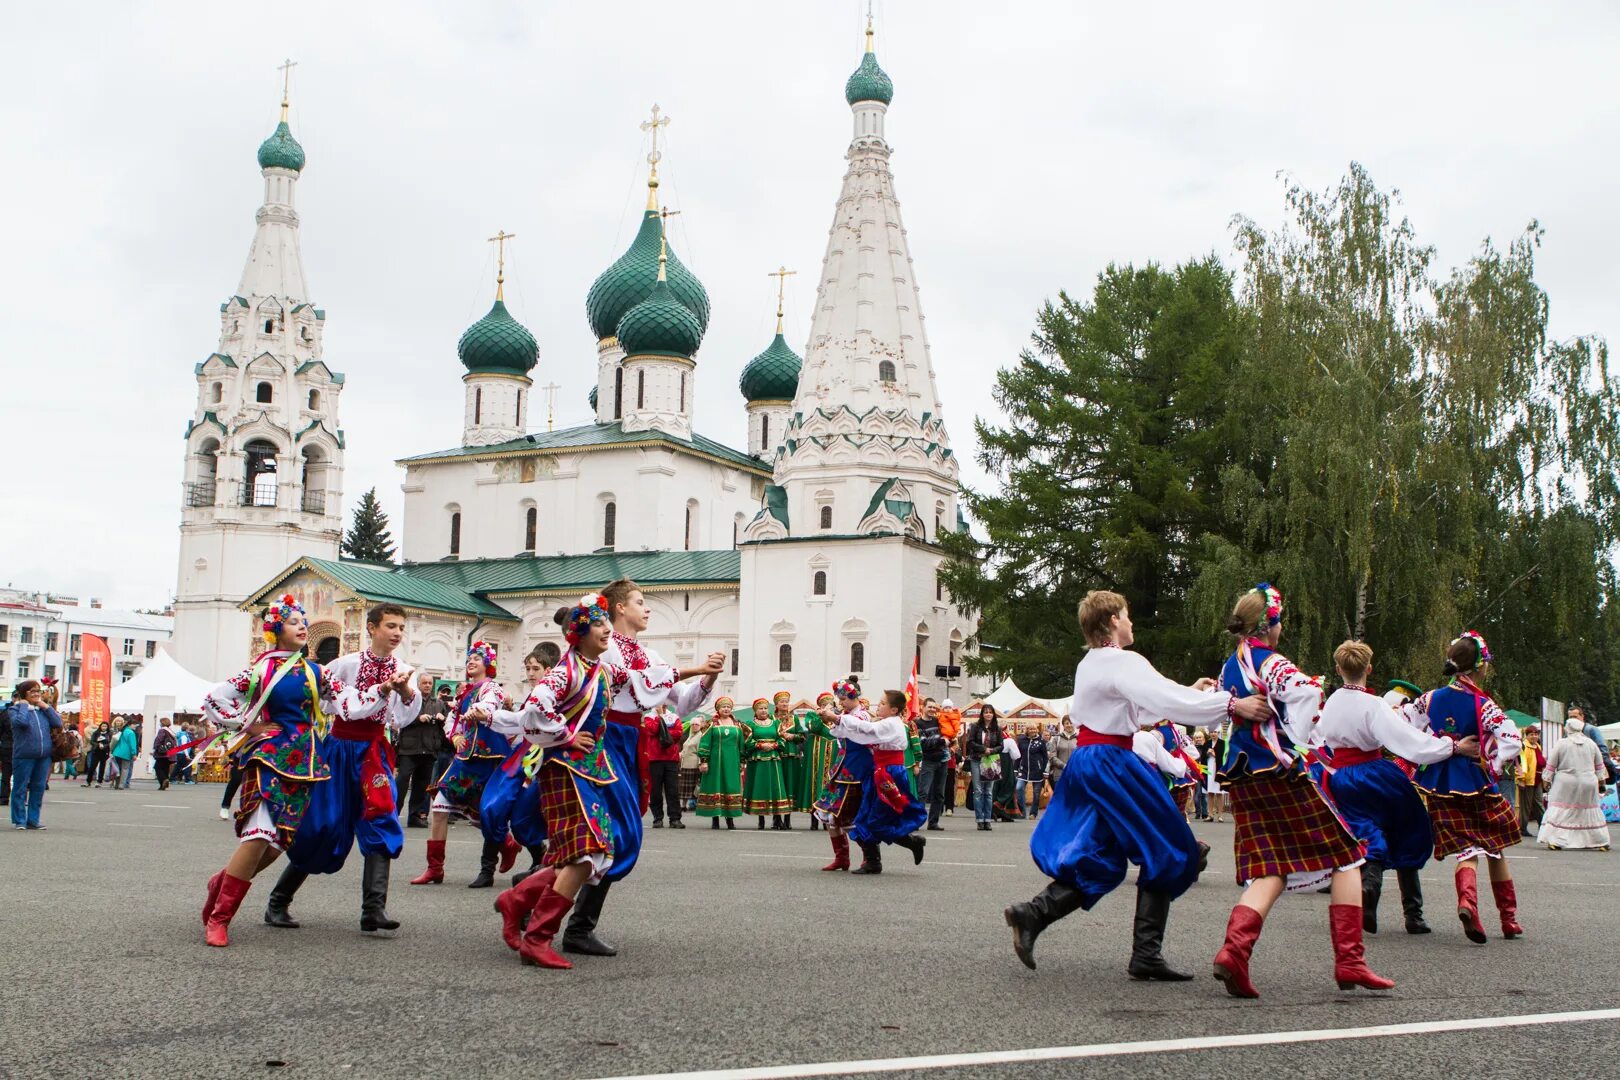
x,y
1032,764
420,743
935,762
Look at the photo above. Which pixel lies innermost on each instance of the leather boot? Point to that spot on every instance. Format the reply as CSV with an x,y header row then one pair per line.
x,y
510,850
275,909
787,822
761,822
434,874
535,947
1232,962
1372,887
517,904
1349,957
871,859
914,844
1028,920
1147,943
212,896
216,931
580,937
374,896
1468,904
840,846
1507,906
1411,901
1203,861
486,866
815,823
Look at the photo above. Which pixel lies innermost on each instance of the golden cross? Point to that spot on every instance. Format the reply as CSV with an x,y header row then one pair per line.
x,y
663,242
868,25
781,275
551,389
655,157
499,240
286,83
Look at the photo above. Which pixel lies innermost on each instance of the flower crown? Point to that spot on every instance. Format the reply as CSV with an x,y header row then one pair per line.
x,y
1274,603
590,609
846,689
485,652
275,616
1478,639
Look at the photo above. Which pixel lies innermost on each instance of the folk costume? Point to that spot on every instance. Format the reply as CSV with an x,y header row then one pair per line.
x,y
839,804
764,791
792,734
511,799
820,752
1149,745
1111,808
358,803
1284,825
1177,745
890,812
1376,799
1574,819
720,793
1469,813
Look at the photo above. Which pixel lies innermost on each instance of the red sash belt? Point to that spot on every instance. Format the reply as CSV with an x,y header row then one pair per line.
x,y
1086,737
1349,755
884,758
631,719
357,730
376,794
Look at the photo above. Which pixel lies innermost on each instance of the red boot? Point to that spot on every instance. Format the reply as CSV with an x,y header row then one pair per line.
x,y
231,891
840,843
1232,962
1507,905
1349,958
544,922
1468,903
434,874
213,896
510,850
517,903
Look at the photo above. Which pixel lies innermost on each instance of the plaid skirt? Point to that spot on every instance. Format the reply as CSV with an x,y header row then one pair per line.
x,y
1183,796
689,785
578,826
1284,826
1479,823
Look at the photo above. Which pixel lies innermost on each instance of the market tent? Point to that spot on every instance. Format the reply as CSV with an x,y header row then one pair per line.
x,y
161,677
1609,731
1007,698
1521,720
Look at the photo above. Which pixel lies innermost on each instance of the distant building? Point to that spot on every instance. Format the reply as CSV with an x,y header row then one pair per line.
x,y
42,637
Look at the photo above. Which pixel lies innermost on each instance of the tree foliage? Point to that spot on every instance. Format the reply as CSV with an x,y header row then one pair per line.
x,y
368,536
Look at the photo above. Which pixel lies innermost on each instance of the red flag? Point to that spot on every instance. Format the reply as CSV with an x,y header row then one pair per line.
x,y
913,705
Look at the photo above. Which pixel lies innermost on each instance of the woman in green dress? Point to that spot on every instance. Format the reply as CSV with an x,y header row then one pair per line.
x,y
792,753
720,763
763,790
820,751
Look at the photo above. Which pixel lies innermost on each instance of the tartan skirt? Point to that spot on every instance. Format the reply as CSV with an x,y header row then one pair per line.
x,y
689,785
578,824
1284,826
1182,794
1480,823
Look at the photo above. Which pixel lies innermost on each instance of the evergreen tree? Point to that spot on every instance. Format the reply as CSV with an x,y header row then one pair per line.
x,y
368,537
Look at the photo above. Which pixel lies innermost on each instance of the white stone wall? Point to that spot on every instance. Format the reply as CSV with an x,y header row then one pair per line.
x,y
658,394
495,408
767,420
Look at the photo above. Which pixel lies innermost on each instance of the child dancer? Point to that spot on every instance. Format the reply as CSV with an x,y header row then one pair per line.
x,y
890,812
840,801
1177,745
1287,836
1149,745
511,798
720,766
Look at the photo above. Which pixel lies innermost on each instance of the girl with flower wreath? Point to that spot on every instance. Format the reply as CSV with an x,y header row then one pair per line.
x,y
282,702
840,803
511,798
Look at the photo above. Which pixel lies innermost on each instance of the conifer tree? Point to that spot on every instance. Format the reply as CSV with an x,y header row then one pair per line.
x,y
368,537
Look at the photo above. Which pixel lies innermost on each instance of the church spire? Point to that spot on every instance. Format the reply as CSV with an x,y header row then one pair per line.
x,y
275,264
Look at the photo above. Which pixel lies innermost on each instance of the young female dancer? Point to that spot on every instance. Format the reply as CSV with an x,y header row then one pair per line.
x,y
511,799
840,801
890,812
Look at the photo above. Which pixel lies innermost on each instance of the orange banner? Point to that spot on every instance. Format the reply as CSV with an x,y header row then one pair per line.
x,y
95,681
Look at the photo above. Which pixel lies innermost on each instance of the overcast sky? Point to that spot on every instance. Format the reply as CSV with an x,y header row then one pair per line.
x,y
1033,145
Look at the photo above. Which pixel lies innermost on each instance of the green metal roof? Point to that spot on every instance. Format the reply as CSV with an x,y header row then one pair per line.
x,y
660,326
591,436
384,582
281,150
498,344
630,280
773,375
869,82
227,361
336,376
565,573
776,503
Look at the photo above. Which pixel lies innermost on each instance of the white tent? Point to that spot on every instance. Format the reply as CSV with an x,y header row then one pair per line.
x,y
161,677
1008,697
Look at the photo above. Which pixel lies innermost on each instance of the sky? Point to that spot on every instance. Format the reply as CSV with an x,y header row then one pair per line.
x,y
1034,144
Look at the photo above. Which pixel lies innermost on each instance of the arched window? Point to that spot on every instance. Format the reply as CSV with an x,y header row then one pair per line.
x,y
683,391
263,394
691,524
818,583
218,393
478,404
784,657
531,523
313,480
939,585
857,657
314,401
826,517
269,326
618,393
610,524
455,532
259,474
764,433
641,389
886,370
327,650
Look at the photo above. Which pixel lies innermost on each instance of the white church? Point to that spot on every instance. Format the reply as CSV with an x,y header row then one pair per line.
x,y
808,556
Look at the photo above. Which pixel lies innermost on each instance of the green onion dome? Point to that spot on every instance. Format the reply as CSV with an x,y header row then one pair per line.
x,y
773,375
629,281
869,83
281,150
591,397
660,326
498,344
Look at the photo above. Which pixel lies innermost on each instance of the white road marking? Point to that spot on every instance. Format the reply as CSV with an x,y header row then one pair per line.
x,y
1121,1049
74,802
817,858
163,806
131,825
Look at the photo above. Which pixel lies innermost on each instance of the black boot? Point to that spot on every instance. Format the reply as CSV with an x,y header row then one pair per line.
x,y
1147,959
815,823
1412,901
914,844
486,866
762,822
1028,920
580,934
1372,887
275,911
537,858
731,823
714,823
374,896
871,860
1203,857
787,822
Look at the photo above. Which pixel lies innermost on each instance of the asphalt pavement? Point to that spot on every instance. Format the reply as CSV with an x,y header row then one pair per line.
x,y
736,952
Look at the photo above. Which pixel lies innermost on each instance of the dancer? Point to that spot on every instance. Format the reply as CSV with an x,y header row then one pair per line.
x,y
1177,745
1469,814
763,789
791,732
719,793
840,801
479,750
820,752
358,803
890,812
1287,836
511,798
1372,794
1109,807
1574,819
281,701
1149,745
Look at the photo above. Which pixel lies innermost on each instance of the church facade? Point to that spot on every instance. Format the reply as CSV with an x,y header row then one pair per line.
x,y
810,555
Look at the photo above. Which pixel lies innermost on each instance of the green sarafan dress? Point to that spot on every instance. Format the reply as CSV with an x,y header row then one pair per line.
x,y
792,757
720,789
763,789
820,751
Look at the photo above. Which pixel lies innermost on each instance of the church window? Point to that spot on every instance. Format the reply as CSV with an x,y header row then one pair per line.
x,y
531,524
610,524
269,326
886,370
691,524
618,393
765,432
784,657
314,401
818,584
683,391
478,404
734,660
259,474
264,394
939,586
455,532
857,658
218,393
641,389
826,517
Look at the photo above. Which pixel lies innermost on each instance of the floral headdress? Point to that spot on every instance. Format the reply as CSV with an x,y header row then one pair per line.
x,y
275,616
1274,605
1478,639
846,689
485,652
590,609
